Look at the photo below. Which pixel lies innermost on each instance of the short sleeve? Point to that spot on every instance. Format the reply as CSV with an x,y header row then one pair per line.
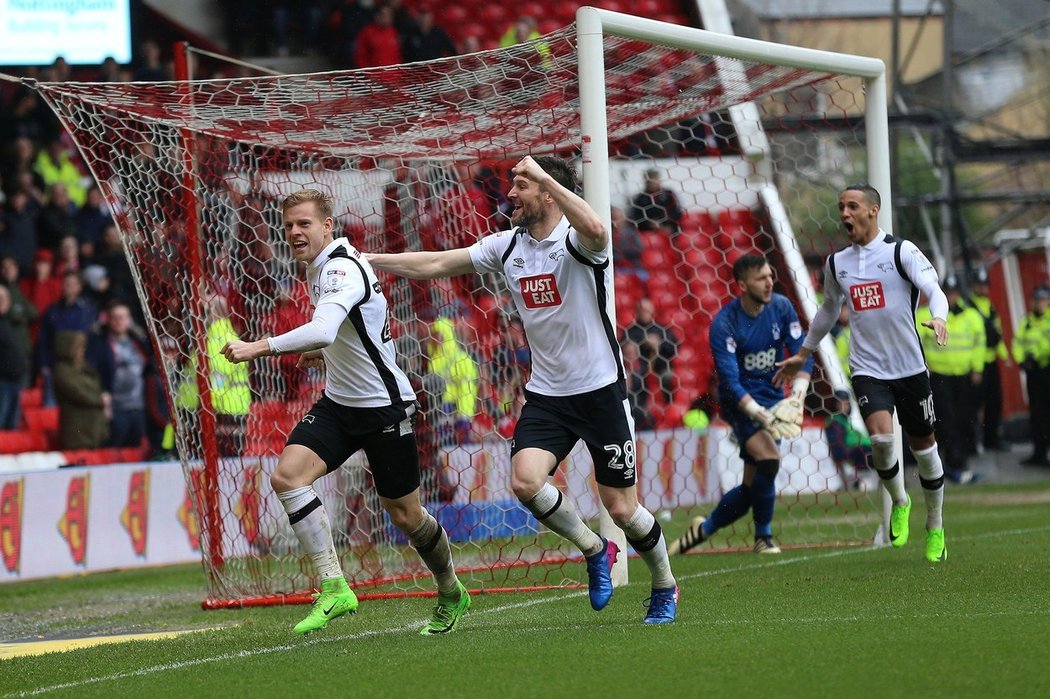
x,y
487,253
342,282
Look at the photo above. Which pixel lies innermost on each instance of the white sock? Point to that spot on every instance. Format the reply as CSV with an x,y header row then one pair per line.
x,y
931,477
558,515
309,520
646,536
431,543
884,457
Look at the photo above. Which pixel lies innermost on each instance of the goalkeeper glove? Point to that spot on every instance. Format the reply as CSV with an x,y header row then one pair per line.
x,y
789,410
764,418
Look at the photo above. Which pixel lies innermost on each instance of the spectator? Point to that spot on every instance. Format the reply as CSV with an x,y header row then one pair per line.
x,y
657,345
14,366
230,391
56,218
121,354
345,23
81,406
637,393
110,71
23,313
68,257
427,40
956,370
97,286
110,255
378,43
1031,351
55,165
459,371
71,312
991,393
91,221
524,29
655,208
627,246
149,67
42,288
18,236
850,448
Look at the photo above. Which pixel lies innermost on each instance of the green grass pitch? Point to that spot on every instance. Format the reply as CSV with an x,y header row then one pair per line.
x,y
830,622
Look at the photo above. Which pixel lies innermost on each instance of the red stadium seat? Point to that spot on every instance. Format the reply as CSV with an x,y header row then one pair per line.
x,y
655,259
31,398
41,419
21,441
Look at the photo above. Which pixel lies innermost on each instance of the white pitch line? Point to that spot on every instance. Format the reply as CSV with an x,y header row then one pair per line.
x,y
411,626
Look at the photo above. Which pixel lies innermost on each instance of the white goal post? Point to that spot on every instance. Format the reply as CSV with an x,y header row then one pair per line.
x,y
194,171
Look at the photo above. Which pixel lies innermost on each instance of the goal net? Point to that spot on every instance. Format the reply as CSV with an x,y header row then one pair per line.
x,y
417,156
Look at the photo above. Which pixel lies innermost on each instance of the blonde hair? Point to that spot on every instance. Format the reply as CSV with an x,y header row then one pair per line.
x,y
319,198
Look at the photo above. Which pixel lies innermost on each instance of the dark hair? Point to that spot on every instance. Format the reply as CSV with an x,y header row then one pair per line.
x,y
871,195
562,172
746,263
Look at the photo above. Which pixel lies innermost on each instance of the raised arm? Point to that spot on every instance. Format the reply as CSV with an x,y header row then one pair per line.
x,y
579,213
424,265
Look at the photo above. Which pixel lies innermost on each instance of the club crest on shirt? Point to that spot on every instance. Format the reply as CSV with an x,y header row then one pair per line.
x,y
867,297
795,329
731,345
540,291
775,329
886,266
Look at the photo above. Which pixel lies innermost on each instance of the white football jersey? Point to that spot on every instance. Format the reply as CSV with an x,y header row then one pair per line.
x,y
880,283
361,368
560,289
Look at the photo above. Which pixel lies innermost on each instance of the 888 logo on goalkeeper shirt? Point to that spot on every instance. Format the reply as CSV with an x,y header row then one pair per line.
x,y
760,361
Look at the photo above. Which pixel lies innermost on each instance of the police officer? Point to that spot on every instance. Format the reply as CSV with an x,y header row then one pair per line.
x,y
990,395
956,370
1031,350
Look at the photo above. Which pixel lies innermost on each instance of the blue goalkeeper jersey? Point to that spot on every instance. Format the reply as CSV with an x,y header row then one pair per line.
x,y
747,349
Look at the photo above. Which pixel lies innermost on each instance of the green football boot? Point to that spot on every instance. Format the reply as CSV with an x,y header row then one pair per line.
x,y
899,524
936,551
335,599
447,613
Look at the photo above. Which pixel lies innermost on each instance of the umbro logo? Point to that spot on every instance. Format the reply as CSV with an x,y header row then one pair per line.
x,y
389,430
842,274
519,262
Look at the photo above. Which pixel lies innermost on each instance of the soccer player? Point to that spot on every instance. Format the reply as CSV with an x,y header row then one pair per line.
x,y
555,262
747,337
367,404
879,279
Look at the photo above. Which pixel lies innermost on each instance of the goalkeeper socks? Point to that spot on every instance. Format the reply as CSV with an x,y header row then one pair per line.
x,y
430,541
309,520
931,478
733,505
891,474
763,496
644,533
558,515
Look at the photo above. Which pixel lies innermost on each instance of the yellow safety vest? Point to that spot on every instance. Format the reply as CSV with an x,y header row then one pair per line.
x,y
965,350
1032,340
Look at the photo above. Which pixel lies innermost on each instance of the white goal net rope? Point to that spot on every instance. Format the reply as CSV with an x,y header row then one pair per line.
x,y
417,157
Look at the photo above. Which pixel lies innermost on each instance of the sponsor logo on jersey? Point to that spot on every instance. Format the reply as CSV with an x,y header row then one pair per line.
x,y
540,291
868,296
340,272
